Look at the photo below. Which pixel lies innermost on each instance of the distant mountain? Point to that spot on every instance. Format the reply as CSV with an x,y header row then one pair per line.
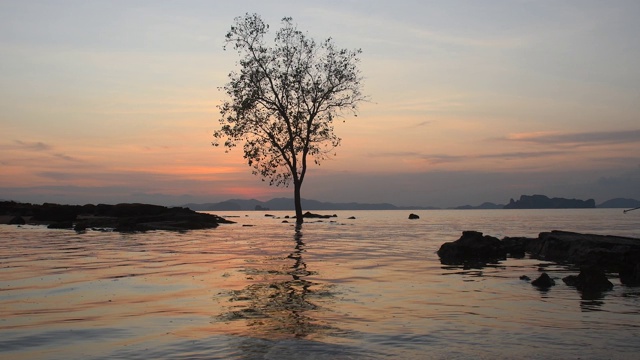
x,y
483,206
620,203
544,202
288,204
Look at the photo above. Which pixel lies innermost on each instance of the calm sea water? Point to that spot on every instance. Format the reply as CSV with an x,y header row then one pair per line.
x,y
364,288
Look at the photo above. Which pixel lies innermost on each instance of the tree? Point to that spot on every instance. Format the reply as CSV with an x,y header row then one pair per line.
x,y
284,98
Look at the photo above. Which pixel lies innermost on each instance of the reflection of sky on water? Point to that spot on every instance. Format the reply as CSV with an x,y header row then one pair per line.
x,y
372,288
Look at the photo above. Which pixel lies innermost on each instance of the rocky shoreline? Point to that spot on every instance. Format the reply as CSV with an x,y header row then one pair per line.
x,y
594,255
121,217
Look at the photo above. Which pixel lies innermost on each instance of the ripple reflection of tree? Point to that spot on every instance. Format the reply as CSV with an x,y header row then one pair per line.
x,y
281,307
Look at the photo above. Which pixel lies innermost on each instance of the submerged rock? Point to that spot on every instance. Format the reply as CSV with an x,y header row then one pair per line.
x,y
544,281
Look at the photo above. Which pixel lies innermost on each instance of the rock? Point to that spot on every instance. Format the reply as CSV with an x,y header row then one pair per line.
x,y
544,281
515,246
630,268
413,217
317,216
570,280
525,278
591,279
351,218
17,220
56,213
472,247
61,225
583,249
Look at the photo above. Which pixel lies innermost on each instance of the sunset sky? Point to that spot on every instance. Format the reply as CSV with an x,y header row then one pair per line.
x,y
471,101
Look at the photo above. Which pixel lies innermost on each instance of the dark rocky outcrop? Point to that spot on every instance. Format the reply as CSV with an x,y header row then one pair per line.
x,y
317,216
544,202
630,268
120,217
544,281
611,254
606,251
17,220
61,225
413,216
515,247
472,248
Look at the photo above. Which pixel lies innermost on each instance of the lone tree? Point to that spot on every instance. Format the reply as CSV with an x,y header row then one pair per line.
x,y
284,99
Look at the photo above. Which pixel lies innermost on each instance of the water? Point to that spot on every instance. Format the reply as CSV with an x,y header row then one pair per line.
x,y
364,288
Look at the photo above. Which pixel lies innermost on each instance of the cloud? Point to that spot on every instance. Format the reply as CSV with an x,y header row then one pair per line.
x,y
445,158
578,138
66,157
57,175
40,147
32,145
424,123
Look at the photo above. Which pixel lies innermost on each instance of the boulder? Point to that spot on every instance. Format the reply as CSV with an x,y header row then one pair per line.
x,y
591,279
472,247
544,281
413,216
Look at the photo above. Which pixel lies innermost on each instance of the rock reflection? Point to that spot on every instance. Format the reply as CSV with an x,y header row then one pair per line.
x,y
283,303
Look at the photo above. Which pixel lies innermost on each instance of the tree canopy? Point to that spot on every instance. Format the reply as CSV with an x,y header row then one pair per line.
x,y
283,99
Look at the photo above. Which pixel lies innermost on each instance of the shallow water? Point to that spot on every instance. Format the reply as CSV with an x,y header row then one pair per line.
x,y
364,288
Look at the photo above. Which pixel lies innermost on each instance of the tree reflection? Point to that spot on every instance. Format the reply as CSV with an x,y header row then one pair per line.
x,y
281,305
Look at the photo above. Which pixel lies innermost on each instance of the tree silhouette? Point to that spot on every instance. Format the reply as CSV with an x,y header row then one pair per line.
x,y
284,98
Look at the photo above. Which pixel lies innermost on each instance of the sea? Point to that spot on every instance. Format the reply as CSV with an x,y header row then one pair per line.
x,y
360,285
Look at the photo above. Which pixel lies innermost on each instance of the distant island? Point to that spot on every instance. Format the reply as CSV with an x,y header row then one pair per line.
x,y
525,202
287,204
483,206
544,202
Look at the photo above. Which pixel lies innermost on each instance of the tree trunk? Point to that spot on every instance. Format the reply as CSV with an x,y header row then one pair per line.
x,y
298,201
